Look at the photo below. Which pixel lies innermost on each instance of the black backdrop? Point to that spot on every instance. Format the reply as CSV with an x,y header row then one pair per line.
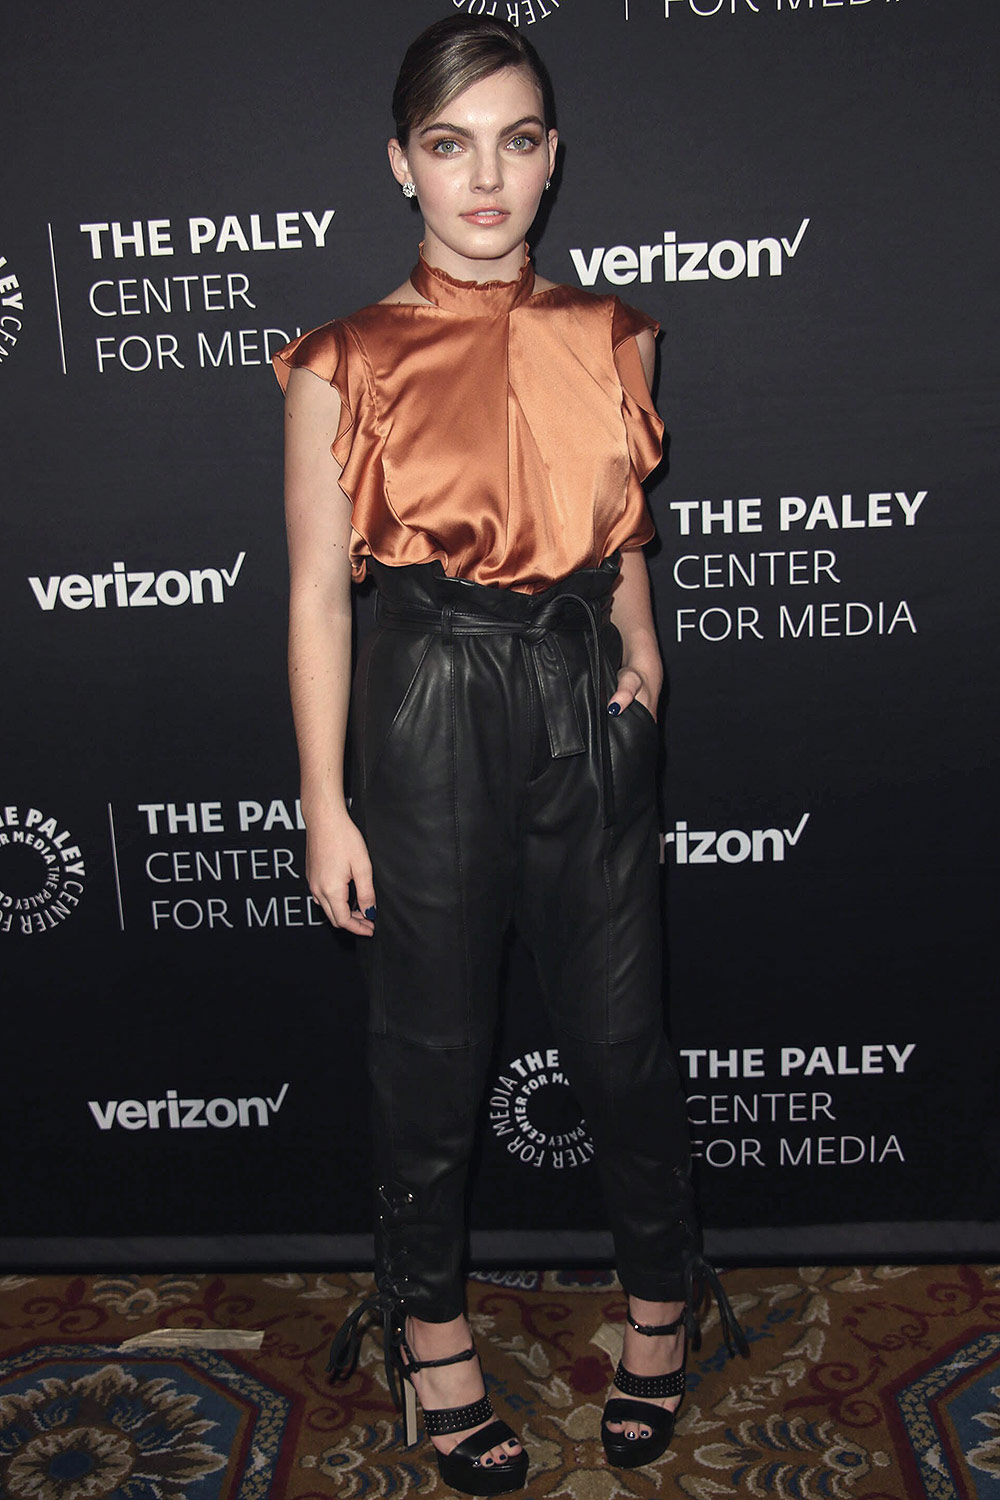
x,y
799,191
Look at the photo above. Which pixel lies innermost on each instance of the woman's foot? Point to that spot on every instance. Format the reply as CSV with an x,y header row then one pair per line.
x,y
645,1354
451,1385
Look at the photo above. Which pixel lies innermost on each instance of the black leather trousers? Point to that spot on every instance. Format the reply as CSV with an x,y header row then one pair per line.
x,y
491,785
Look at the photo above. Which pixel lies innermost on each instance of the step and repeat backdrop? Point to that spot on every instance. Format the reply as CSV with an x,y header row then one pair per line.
x,y
798,190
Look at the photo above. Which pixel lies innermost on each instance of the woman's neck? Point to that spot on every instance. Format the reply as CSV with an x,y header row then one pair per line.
x,y
476,299
506,267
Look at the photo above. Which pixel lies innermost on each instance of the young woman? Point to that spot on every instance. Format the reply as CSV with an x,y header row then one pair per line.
x,y
476,441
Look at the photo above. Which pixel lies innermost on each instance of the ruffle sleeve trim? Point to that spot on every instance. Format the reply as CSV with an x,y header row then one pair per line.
x,y
327,352
336,355
643,427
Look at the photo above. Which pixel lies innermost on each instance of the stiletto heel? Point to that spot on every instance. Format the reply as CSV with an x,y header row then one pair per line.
x,y
631,1453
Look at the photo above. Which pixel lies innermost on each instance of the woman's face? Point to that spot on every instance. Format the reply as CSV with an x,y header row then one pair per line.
x,y
479,168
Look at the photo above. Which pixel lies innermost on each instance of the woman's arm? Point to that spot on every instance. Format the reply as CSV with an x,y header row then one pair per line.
x,y
641,674
318,518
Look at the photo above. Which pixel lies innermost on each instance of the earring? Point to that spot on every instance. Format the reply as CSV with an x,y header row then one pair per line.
x,y
409,190
548,183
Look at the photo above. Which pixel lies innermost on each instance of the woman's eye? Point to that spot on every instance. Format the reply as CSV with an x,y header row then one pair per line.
x,y
446,148
522,142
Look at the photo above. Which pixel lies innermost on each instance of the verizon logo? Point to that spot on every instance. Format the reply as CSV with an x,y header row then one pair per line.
x,y
733,846
174,1113
135,589
691,260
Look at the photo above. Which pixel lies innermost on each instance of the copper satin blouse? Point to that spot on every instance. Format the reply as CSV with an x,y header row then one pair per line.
x,y
502,431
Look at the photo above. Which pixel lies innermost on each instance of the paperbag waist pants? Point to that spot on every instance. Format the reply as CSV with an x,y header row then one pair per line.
x,y
491,785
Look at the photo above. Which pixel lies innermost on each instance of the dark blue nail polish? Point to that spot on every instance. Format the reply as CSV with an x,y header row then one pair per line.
x,y
370,913
614,709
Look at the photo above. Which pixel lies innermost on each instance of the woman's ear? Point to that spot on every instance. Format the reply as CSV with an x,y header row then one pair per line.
x,y
397,161
553,148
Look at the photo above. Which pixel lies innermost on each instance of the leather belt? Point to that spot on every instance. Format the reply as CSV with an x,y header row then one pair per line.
x,y
538,633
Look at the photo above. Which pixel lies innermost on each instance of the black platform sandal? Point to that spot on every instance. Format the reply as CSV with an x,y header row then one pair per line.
x,y
632,1453
700,1277
462,1468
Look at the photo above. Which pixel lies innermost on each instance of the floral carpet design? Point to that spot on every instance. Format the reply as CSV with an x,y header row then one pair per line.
x,y
104,1431
874,1383
76,1422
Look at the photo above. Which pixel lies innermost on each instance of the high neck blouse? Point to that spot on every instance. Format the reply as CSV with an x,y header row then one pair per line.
x,y
502,431
474,299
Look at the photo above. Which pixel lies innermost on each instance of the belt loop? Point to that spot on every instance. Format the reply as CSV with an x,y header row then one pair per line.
x,y
446,618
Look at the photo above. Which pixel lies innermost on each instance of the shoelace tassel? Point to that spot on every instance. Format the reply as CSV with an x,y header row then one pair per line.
x,y
346,1345
702,1274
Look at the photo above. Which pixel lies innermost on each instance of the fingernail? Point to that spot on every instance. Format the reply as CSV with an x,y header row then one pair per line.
x,y
614,709
370,913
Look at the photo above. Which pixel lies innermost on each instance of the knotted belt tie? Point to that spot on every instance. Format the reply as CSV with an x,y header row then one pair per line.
x,y
562,722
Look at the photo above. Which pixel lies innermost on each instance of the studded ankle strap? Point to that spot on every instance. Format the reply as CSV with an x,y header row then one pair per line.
x,y
650,1387
442,1421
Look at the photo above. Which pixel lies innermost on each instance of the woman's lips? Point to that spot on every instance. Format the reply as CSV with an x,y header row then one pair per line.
x,y
486,218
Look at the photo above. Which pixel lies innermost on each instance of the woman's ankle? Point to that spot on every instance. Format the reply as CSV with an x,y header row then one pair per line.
x,y
429,1331
652,1313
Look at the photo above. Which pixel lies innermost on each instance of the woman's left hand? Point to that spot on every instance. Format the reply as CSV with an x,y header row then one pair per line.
x,y
641,673
632,684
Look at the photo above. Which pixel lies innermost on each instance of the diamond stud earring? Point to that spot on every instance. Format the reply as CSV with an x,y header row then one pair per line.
x,y
409,190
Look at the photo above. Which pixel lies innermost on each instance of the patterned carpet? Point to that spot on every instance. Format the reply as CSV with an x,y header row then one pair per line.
x,y
876,1383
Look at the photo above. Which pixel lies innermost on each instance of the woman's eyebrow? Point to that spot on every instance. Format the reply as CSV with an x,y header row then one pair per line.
x,y
524,120
468,134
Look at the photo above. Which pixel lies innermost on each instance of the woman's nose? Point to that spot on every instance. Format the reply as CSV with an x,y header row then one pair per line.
x,y
487,177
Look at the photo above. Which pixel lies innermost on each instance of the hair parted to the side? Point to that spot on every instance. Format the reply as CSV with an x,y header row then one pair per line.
x,y
452,55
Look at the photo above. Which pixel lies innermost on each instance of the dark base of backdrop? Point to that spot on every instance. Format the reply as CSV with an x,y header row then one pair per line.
x,y
814,1244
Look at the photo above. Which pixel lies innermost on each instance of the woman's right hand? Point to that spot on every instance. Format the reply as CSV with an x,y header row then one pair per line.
x,y
336,854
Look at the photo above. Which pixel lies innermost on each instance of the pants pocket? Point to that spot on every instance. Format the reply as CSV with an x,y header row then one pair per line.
x,y
641,712
384,684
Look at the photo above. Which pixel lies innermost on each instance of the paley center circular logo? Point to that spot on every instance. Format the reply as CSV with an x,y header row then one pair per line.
x,y
517,12
535,1116
11,310
41,871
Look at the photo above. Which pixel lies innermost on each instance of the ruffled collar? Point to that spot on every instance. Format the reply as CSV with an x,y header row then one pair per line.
x,y
474,299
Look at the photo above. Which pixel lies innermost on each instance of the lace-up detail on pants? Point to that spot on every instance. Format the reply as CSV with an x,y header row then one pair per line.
x,y
701,1279
347,1342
